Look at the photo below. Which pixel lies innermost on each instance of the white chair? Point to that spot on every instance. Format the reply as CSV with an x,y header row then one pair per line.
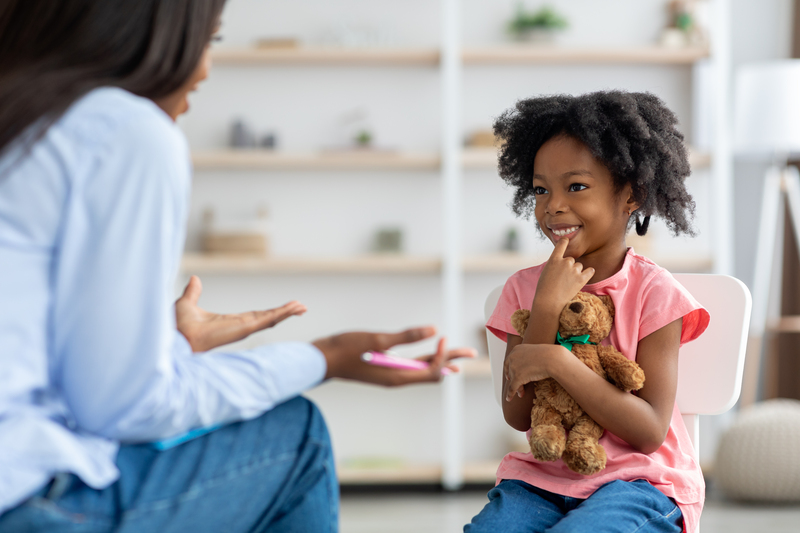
x,y
709,368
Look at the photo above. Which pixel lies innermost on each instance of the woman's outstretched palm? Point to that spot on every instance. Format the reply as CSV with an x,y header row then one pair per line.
x,y
205,330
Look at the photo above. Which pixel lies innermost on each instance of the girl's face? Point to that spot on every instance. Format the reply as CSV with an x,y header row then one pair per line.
x,y
575,198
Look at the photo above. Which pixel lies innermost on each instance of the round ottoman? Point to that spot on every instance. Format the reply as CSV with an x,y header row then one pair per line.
x,y
759,455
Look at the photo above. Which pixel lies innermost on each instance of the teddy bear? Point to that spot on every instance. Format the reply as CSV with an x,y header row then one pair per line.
x,y
584,322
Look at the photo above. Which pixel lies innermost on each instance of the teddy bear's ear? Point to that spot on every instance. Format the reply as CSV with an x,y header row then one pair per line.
x,y
608,303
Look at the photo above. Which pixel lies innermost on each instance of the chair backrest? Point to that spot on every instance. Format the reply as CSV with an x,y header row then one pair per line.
x,y
709,368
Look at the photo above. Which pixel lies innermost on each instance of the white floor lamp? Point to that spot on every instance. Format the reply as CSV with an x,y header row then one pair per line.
x,y
768,123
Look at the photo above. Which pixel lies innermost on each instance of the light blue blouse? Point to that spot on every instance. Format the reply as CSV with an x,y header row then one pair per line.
x,y
92,227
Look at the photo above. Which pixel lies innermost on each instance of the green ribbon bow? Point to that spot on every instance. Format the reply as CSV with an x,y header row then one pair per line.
x,y
578,339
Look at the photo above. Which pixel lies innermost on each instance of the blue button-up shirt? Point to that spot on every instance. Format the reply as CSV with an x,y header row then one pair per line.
x,y
92,226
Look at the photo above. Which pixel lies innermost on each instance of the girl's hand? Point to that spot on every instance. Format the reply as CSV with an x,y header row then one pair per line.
x,y
343,355
562,278
526,363
205,330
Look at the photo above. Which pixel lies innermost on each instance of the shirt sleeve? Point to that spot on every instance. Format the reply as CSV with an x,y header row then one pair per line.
x,y
664,301
125,371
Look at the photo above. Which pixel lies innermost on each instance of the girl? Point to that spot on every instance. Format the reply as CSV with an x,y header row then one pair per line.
x,y
589,167
95,361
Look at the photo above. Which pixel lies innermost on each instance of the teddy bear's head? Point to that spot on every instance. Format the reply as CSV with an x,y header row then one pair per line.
x,y
587,314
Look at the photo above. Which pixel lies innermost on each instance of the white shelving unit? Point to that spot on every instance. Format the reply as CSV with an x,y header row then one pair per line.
x,y
452,265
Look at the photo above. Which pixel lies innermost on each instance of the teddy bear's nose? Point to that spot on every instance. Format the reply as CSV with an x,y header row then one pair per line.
x,y
576,307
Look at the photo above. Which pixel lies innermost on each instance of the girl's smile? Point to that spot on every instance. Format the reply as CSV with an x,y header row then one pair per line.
x,y
577,199
559,231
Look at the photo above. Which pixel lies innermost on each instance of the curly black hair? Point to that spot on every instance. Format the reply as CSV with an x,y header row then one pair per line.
x,y
633,134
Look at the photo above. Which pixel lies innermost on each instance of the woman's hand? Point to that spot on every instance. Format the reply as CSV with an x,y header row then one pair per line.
x,y
526,363
343,355
205,330
562,278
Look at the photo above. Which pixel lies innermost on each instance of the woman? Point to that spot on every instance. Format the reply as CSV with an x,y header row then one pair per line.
x,y
102,398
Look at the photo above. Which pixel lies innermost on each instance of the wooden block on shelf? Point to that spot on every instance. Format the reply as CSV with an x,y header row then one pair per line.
x,y
282,43
248,244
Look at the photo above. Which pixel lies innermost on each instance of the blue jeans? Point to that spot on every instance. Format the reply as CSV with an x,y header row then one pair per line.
x,y
619,506
274,473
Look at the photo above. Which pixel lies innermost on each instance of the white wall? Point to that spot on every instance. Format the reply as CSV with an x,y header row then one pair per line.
x,y
761,31
336,213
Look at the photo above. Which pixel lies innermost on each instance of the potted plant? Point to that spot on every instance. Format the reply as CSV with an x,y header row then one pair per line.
x,y
538,26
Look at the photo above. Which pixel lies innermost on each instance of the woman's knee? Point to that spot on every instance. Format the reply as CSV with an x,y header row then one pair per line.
x,y
303,413
297,421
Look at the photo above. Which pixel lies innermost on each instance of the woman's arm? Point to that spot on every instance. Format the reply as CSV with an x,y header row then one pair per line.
x,y
640,420
343,356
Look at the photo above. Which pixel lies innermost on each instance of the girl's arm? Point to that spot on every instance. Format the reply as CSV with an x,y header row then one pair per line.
x,y
642,421
516,408
560,281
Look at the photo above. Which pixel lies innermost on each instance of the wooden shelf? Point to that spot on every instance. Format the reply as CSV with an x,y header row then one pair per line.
x,y
486,158
784,324
503,54
510,263
389,475
326,56
201,263
501,263
254,159
689,263
527,54
480,367
475,472
481,472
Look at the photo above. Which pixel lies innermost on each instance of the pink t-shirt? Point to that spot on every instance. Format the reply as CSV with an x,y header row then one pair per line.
x,y
646,298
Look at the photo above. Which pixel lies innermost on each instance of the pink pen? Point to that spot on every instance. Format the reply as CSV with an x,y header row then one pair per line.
x,y
382,359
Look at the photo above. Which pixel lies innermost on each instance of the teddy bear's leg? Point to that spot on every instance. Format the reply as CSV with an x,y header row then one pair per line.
x,y
588,354
583,453
548,436
623,372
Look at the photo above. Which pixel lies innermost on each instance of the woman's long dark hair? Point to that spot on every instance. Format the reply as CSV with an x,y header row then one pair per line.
x,y
52,52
